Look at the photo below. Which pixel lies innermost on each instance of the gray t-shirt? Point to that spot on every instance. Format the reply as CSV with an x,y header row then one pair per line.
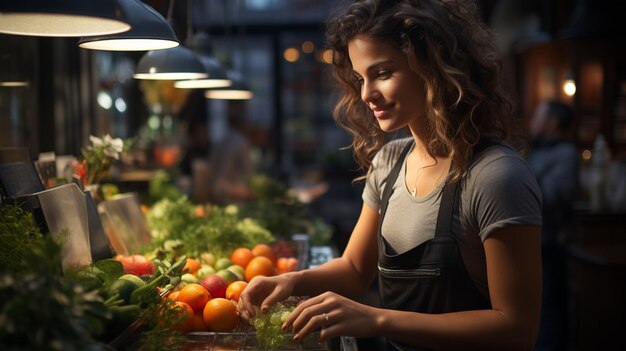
x,y
499,190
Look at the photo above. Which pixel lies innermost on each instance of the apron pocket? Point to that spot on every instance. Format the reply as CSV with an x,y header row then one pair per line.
x,y
410,273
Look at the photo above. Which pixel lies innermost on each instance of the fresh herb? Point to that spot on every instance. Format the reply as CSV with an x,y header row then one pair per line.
x,y
41,309
161,334
19,237
283,214
161,187
218,230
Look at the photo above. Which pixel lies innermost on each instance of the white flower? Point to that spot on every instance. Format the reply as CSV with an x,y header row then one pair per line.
x,y
112,147
95,141
117,144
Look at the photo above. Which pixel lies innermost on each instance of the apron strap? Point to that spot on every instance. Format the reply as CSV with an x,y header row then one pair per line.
x,y
447,208
391,179
449,194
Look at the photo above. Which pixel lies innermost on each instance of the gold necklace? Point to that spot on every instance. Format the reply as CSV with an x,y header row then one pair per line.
x,y
417,172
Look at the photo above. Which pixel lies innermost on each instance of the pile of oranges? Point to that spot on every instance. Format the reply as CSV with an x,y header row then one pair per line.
x,y
201,310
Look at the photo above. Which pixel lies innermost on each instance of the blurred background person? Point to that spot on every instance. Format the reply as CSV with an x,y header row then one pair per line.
x,y
555,162
231,161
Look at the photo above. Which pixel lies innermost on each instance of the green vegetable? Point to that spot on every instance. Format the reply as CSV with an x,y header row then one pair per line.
x,y
123,316
121,288
175,227
147,294
135,279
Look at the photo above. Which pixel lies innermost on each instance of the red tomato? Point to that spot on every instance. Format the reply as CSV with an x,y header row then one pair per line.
x,y
136,264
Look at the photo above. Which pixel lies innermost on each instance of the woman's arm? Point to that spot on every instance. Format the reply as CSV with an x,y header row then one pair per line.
x,y
514,275
353,272
348,275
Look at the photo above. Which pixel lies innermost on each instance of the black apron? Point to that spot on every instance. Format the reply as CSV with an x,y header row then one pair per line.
x,y
431,277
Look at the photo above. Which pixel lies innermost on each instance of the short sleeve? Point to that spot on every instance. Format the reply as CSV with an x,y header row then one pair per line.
x,y
381,166
503,191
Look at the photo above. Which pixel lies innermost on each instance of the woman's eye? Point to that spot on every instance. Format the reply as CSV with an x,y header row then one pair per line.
x,y
357,80
383,74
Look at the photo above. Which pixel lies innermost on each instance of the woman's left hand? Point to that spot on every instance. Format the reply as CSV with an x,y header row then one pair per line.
x,y
334,315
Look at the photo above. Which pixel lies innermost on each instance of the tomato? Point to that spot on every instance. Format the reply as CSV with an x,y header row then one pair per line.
x,y
136,264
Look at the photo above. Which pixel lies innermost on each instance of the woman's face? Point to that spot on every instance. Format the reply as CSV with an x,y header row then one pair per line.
x,y
389,87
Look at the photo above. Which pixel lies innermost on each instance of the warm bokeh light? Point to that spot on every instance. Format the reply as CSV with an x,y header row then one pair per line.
x,y
308,47
14,84
229,94
586,155
291,55
569,87
327,56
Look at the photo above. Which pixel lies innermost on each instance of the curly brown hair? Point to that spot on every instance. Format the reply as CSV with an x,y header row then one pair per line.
x,y
449,47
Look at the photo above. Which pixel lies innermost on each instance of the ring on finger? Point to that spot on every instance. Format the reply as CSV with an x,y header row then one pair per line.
x,y
325,315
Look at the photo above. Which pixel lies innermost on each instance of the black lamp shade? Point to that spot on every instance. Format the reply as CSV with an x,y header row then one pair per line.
x,y
62,18
170,64
150,31
217,76
237,91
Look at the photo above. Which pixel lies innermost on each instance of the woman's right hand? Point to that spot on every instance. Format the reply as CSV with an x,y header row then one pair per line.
x,y
264,292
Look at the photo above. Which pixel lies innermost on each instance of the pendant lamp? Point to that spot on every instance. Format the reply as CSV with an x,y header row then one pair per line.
x,y
217,77
237,91
150,31
11,73
177,63
62,18
170,64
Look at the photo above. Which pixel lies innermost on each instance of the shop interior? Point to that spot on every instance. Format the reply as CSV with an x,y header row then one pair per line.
x,y
55,95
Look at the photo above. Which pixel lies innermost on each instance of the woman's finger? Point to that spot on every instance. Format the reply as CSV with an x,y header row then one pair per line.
x,y
271,299
310,319
298,310
323,322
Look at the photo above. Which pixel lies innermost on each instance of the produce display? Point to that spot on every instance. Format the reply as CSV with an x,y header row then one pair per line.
x,y
180,291
211,287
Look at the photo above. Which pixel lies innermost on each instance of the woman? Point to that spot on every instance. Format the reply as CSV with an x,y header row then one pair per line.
x,y
451,217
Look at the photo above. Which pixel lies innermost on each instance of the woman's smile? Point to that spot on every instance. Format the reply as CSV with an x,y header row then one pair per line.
x,y
382,112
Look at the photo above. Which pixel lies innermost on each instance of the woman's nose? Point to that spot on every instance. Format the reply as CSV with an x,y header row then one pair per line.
x,y
369,93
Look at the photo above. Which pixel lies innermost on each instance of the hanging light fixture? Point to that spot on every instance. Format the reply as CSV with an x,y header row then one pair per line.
x,y
61,18
150,31
170,64
10,73
177,63
238,90
217,77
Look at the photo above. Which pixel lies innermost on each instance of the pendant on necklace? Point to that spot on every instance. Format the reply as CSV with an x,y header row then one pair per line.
x,y
413,192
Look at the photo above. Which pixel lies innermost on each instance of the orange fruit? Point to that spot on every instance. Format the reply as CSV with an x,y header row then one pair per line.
x,y
192,265
241,256
235,289
259,265
173,295
198,211
185,312
220,315
197,322
264,250
195,295
286,264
